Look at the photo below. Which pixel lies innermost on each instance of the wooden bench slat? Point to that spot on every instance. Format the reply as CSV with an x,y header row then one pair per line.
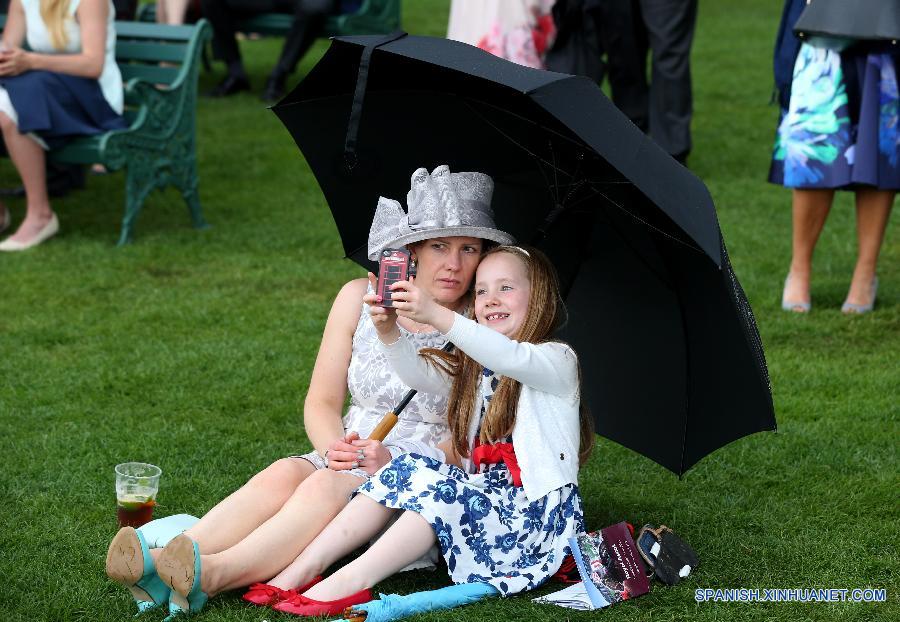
x,y
151,73
152,51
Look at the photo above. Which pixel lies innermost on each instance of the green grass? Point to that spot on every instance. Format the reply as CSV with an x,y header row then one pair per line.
x,y
193,350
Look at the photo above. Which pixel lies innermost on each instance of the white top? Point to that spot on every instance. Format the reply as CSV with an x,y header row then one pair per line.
x,y
38,38
546,435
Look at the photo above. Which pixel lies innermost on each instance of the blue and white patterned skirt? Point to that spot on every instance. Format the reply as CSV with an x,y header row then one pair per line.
x,y
487,529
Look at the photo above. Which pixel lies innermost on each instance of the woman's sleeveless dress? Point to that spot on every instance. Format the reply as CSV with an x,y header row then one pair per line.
x,y
54,107
375,390
487,529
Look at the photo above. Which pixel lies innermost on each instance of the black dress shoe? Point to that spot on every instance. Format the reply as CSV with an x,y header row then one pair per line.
x,y
274,90
229,86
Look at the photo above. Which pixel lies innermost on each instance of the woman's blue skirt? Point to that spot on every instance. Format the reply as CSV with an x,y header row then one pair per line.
x,y
58,107
841,127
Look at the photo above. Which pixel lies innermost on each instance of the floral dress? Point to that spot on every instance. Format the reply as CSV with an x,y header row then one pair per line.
x,y
487,529
841,126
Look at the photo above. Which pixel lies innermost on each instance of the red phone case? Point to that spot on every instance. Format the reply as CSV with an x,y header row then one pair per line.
x,y
393,266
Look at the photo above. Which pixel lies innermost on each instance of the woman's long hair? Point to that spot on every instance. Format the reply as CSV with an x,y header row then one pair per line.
x,y
55,13
545,313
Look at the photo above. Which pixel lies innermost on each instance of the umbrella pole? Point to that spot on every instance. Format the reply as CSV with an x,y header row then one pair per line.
x,y
390,418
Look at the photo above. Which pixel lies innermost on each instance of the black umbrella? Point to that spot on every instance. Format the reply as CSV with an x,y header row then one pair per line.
x,y
672,362
860,19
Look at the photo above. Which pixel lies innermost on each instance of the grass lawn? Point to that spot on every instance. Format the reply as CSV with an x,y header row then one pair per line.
x,y
193,350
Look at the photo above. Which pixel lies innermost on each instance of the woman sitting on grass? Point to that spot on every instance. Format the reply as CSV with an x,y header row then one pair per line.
x,y
69,85
504,507
258,530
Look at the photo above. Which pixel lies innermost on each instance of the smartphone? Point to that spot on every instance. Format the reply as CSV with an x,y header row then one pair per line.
x,y
393,266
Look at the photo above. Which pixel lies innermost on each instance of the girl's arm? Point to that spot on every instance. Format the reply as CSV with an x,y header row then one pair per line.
x,y
550,367
414,370
92,16
324,403
14,32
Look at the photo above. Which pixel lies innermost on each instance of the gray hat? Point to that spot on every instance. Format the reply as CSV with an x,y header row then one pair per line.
x,y
442,204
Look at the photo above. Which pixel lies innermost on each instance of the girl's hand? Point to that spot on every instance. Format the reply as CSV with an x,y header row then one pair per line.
x,y
341,454
371,455
383,318
417,305
14,61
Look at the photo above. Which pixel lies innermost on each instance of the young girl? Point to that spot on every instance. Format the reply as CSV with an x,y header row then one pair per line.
x,y
506,502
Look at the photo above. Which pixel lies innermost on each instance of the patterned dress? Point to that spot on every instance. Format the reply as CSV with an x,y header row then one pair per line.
x,y
487,529
375,389
841,126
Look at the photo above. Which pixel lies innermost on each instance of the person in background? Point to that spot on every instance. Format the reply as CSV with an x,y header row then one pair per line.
x,y
517,30
838,130
309,20
172,12
67,85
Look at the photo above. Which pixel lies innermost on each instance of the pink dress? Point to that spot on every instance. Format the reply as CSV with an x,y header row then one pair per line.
x,y
517,30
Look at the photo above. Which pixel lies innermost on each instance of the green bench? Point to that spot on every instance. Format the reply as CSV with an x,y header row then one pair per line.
x,y
159,66
373,17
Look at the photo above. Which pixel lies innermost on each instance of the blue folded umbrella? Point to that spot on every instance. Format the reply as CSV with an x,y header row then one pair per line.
x,y
394,607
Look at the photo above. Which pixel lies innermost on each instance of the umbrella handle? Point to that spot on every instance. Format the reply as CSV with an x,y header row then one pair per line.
x,y
384,426
355,615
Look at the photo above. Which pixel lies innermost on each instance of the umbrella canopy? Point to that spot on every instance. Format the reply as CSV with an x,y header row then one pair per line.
x,y
672,363
860,19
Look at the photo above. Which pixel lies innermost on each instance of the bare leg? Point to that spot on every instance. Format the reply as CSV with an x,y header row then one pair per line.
x,y
357,523
809,211
406,541
29,160
275,543
873,208
250,506
171,11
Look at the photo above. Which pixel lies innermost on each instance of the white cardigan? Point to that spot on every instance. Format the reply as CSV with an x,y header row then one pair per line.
x,y
546,434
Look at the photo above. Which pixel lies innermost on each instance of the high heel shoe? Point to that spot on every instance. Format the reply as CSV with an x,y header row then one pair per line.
x,y
179,567
795,306
128,562
849,308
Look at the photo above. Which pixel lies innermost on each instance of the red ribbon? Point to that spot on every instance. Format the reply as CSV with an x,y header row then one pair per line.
x,y
494,454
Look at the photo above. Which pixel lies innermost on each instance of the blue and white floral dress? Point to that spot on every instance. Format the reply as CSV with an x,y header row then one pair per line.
x,y
487,529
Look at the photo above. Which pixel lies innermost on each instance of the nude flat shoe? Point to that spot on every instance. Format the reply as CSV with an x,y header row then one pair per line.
x,y
49,230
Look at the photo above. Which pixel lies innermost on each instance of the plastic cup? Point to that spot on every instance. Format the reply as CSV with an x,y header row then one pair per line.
x,y
136,486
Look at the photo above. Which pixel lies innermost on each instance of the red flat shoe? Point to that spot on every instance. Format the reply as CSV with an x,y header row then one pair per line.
x,y
301,606
266,595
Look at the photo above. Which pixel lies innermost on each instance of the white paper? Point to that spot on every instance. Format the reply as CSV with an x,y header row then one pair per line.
x,y
574,597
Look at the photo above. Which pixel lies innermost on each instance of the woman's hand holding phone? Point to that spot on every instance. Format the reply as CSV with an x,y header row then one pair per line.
x,y
383,318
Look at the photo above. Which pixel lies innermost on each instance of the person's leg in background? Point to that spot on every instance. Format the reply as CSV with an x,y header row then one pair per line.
x,y
309,19
171,12
809,211
625,41
670,30
873,209
222,16
29,159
